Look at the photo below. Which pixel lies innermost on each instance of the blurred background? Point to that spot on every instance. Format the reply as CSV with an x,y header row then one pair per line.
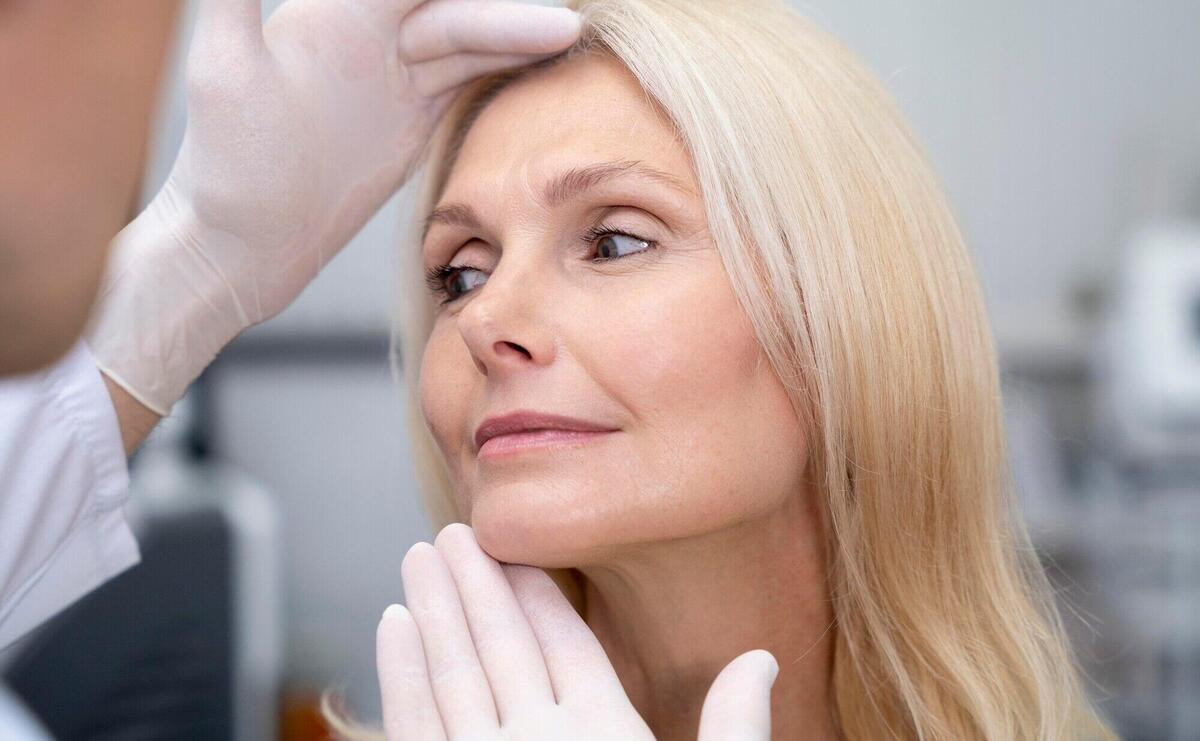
x,y
1068,138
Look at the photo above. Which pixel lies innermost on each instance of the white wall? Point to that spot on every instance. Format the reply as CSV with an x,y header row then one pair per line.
x,y
1055,126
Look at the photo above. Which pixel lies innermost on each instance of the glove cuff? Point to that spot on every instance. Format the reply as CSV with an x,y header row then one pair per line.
x,y
164,311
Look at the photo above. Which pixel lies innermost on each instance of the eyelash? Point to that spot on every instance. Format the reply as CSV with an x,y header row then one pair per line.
x,y
436,277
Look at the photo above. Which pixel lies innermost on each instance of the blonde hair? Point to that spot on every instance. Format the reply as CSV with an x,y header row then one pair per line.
x,y
842,250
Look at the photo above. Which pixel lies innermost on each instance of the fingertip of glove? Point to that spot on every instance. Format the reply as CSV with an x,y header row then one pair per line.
x,y
396,612
574,15
768,663
772,669
569,20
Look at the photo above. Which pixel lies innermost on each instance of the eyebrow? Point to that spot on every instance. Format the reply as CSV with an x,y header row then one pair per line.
x,y
566,186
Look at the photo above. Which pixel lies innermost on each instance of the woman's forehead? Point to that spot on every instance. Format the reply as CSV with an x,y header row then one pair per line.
x,y
583,113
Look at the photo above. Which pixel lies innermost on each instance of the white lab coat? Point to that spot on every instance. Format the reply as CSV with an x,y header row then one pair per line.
x,y
64,483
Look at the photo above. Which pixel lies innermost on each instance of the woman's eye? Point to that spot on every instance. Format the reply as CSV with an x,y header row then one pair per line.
x,y
465,279
452,281
611,245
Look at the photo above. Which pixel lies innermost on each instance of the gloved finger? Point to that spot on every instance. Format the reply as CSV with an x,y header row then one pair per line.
x,y
442,27
738,705
579,668
228,22
409,708
508,650
464,698
439,75
389,12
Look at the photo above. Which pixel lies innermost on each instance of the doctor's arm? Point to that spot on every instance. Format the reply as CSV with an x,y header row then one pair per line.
x,y
297,132
136,419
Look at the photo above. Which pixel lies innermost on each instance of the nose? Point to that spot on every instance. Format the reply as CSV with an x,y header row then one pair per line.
x,y
506,324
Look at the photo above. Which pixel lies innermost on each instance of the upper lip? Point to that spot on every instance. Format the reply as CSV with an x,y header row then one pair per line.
x,y
524,420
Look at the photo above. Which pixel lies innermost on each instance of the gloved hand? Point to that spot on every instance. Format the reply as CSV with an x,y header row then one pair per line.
x,y
476,630
297,133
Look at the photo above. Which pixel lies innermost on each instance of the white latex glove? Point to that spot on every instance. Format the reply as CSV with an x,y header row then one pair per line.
x,y
297,133
476,630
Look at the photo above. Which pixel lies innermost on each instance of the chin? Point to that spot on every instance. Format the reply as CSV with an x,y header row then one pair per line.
x,y
518,523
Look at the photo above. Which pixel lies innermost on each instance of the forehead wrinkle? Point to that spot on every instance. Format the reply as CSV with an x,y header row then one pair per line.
x,y
564,187
577,180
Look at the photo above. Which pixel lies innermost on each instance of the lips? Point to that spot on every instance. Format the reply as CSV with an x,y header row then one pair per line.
x,y
525,421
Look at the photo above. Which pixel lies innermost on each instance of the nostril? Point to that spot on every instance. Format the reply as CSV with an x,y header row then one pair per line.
x,y
503,346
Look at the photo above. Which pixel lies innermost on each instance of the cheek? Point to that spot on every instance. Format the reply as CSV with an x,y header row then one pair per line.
x,y
445,384
683,355
443,403
713,439
709,440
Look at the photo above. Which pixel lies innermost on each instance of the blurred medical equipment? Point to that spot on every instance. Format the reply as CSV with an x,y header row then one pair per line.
x,y
1142,515
1105,445
1153,349
185,645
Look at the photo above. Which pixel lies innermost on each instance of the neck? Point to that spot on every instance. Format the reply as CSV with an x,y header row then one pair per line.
x,y
672,614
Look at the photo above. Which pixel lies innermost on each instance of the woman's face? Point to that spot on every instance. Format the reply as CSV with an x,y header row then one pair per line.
x,y
649,343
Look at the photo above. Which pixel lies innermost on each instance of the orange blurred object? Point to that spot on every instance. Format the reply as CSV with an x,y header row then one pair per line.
x,y
300,717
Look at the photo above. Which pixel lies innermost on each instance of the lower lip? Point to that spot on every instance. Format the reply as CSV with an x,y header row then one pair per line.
x,y
522,442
